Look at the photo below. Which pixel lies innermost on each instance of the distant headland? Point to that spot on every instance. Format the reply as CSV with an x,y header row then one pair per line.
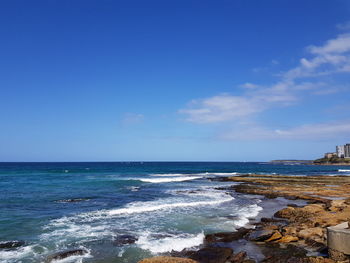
x,y
340,157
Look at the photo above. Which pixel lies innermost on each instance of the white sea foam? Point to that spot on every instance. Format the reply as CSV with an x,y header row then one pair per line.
x,y
221,174
75,258
194,174
169,175
246,213
343,170
167,244
169,179
12,256
143,207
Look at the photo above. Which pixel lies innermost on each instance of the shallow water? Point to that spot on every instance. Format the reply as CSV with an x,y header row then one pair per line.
x,y
166,206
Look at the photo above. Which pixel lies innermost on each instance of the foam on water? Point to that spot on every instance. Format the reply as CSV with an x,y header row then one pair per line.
x,y
142,207
343,170
12,256
167,244
169,179
245,213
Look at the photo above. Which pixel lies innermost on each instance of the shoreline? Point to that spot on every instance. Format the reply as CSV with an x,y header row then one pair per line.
x,y
296,232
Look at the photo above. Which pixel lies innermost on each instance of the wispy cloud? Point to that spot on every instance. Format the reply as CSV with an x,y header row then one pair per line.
x,y
328,130
311,76
132,118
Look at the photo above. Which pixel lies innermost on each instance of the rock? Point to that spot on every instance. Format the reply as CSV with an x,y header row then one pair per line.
x,y
287,212
11,244
124,239
227,236
319,260
310,232
73,200
277,235
238,258
289,254
288,230
270,220
212,255
261,235
271,227
337,255
287,239
66,254
167,260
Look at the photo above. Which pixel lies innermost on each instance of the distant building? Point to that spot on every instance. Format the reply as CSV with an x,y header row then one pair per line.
x,y
341,151
330,155
347,150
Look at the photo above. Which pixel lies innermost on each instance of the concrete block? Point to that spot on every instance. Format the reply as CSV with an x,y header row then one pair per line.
x,y
338,238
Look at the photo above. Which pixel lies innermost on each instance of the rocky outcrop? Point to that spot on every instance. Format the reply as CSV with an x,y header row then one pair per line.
x,y
212,255
11,244
227,236
124,240
167,260
65,254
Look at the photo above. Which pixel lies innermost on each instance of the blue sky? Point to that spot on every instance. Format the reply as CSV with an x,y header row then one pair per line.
x,y
176,80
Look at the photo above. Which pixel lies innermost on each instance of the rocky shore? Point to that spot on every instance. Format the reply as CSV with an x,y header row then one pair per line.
x,y
294,234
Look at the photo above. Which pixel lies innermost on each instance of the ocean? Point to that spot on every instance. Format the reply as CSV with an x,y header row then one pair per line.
x,y
124,211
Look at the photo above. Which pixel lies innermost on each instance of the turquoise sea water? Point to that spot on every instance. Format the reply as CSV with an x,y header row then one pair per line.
x,y
93,206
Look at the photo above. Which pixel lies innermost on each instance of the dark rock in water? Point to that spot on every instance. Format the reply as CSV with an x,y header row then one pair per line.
x,y
124,240
66,254
212,255
11,244
238,258
73,200
227,236
261,235
290,254
271,220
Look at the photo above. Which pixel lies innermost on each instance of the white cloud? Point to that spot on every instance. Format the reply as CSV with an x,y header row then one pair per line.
x,y
292,85
330,130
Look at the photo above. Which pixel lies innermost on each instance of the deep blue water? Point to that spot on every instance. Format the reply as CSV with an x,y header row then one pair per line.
x,y
164,205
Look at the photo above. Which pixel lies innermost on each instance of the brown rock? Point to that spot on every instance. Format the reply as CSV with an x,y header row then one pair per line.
x,y
212,255
227,236
271,227
167,260
287,212
310,232
288,230
261,235
238,258
319,260
287,239
274,237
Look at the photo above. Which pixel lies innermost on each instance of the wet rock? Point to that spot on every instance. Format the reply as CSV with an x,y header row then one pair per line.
x,y
290,254
319,260
270,220
212,255
261,235
287,239
277,235
238,258
167,260
227,236
11,244
124,240
66,254
73,200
